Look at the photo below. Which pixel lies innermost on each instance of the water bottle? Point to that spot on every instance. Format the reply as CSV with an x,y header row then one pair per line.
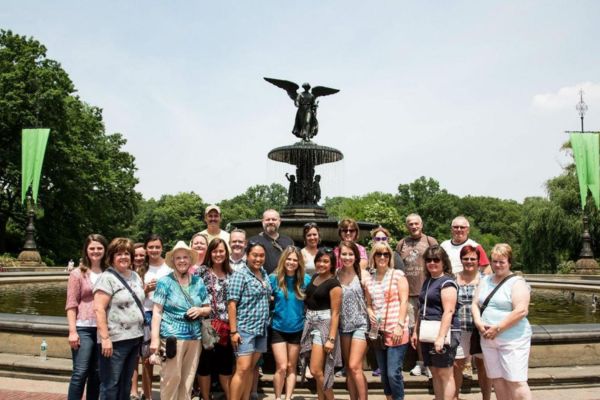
x,y
374,329
44,350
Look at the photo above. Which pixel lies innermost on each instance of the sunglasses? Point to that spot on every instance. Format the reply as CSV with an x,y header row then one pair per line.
x,y
381,254
432,260
348,230
469,259
459,227
326,250
310,225
380,239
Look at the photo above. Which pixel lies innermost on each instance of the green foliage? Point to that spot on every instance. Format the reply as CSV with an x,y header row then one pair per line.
x,y
566,267
173,217
7,261
253,202
87,181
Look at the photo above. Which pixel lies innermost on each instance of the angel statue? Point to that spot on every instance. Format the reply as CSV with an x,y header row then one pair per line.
x,y
306,125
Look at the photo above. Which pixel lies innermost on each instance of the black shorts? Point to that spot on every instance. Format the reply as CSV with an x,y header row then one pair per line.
x,y
440,360
281,337
219,360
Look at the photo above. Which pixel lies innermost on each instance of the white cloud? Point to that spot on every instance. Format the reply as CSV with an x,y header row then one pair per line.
x,y
567,97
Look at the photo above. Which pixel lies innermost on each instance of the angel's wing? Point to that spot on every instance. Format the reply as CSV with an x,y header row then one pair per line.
x,y
290,87
323,91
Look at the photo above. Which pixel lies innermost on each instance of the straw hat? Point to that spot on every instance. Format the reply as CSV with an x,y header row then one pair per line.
x,y
181,246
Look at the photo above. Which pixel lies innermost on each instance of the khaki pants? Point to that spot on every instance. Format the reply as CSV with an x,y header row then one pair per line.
x,y
177,374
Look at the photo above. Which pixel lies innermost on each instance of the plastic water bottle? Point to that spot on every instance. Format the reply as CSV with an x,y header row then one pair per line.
x,y
374,329
44,350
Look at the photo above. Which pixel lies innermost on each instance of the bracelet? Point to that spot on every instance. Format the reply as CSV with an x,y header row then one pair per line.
x,y
233,333
332,339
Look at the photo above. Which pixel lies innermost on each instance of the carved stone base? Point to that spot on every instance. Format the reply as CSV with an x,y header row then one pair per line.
x,y
587,266
304,212
30,258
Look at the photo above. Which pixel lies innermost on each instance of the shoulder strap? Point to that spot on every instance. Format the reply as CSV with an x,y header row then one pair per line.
x,y
428,241
487,299
135,298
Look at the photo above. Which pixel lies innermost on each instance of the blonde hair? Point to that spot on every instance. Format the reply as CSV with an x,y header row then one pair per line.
x,y
299,275
502,250
381,246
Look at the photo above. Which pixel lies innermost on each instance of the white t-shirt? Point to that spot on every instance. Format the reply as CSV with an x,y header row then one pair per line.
x,y
222,234
94,277
154,273
453,251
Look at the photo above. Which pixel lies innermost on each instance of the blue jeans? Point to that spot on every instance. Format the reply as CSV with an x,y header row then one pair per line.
x,y
85,366
390,363
116,371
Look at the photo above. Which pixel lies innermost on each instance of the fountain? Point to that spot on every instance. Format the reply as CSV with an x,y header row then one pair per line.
x,y
304,189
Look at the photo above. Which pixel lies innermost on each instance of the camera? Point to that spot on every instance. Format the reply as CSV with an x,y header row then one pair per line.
x,y
188,318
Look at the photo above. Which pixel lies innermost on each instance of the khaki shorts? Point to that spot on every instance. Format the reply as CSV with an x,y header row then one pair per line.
x,y
413,309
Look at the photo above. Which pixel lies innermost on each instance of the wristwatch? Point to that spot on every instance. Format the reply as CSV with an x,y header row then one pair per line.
x,y
331,339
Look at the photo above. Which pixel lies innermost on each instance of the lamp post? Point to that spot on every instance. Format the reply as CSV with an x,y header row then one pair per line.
x,y
30,256
586,264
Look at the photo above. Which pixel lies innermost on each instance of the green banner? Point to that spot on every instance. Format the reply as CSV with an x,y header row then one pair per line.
x,y
32,157
586,151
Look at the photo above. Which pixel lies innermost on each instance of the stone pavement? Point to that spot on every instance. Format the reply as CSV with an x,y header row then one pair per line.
x,y
22,389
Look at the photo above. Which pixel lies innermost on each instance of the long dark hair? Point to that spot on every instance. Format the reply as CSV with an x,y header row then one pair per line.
x,y
86,263
437,251
327,252
208,257
352,246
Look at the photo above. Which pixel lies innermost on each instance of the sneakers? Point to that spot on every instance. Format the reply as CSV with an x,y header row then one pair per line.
x,y
376,372
427,372
420,370
417,371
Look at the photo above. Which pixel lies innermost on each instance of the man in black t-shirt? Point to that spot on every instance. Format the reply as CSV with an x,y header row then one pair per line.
x,y
270,238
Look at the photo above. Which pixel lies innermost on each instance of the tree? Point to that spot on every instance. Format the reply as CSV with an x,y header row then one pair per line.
x,y
173,217
87,180
253,202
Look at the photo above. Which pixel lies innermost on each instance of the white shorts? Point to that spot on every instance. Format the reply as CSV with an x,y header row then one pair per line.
x,y
507,359
464,346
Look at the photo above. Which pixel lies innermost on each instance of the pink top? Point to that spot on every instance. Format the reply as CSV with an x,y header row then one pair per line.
x,y
80,296
385,298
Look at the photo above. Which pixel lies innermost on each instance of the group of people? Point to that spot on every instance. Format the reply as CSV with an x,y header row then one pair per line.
x,y
318,307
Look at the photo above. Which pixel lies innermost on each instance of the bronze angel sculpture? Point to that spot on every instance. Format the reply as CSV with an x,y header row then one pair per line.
x,y
306,125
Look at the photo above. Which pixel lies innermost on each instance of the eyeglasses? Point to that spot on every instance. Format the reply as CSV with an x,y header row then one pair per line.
x,y
432,260
459,227
381,254
380,238
469,259
348,230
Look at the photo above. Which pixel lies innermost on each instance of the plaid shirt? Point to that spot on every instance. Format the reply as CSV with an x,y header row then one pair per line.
x,y
252,298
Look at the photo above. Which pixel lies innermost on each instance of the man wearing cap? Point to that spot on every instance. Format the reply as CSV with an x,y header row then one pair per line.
x,y
460,238
212,217
270,238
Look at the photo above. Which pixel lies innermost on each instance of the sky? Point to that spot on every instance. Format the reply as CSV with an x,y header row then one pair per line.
x,y
477,95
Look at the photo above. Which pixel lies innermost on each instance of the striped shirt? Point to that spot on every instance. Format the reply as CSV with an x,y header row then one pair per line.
x,y
385,298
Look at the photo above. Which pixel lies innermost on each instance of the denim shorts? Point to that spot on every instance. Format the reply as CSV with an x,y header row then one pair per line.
x,y
315,316
251,344
359,334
